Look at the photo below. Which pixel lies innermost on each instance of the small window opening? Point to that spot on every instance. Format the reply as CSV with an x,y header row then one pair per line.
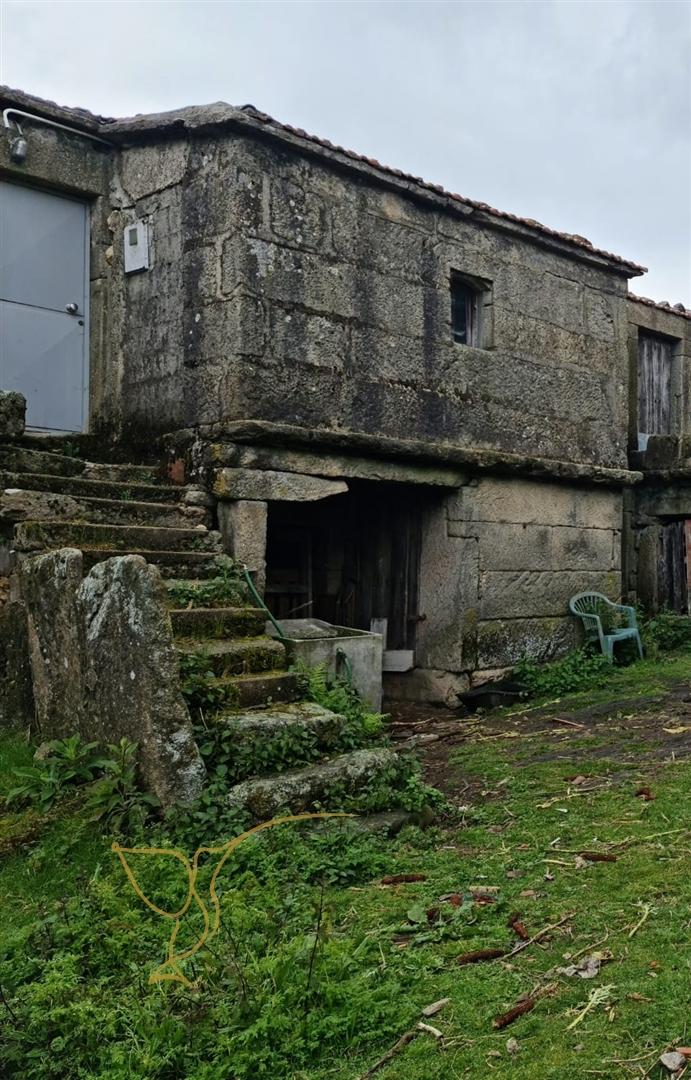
x,y
467,300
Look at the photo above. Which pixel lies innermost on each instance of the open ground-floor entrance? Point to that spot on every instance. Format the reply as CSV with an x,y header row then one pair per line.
x,y
352,560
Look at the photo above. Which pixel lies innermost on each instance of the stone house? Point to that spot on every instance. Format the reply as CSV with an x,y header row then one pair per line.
x,y
412,410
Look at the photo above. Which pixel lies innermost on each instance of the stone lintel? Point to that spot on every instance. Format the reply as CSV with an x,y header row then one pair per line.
x,y
411,451
334,466
257,485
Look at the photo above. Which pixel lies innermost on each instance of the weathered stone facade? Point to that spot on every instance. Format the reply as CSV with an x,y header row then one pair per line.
x,y
294,337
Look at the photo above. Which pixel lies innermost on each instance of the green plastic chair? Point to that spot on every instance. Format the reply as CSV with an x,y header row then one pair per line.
x,y
588,607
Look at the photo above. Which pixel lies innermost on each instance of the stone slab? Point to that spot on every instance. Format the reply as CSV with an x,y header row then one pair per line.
x,y
131,679
523,501
16,692
505,546
503,642
333,466
270,486
539,593
299,789
49,585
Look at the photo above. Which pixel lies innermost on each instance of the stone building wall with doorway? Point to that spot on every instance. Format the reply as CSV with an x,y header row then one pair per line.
x,y
365,326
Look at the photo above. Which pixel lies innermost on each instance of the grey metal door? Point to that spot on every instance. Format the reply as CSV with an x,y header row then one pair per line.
x,y
44,276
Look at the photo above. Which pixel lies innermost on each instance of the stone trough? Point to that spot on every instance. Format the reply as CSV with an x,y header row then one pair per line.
x,y
340,649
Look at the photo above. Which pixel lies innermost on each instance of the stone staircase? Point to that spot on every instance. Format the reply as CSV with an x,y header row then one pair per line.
x,y
50,500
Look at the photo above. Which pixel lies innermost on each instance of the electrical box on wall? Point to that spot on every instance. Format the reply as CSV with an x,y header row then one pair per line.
x,y
136,243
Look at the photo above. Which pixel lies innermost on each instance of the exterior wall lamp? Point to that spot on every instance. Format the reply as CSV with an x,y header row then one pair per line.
x,y
19,145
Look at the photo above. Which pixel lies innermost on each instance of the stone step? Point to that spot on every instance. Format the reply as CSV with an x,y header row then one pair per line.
x,y
41,535
263,724
122,474
242,656
300,789
194,595
25,504
21,459
78,487
173,564
228,622
261,689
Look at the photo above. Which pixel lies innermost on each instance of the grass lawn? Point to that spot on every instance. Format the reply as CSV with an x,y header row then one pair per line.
x,y
273,997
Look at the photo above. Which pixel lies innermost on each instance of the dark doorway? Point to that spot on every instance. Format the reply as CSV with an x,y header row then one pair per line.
x,y
673,567
349,559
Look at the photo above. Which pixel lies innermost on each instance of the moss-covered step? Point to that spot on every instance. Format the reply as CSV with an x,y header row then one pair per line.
x,y
173,564
78,486
241,656
26,504
122,474
301,789
39,535
263,725
21,459
228,622
264,688
218,592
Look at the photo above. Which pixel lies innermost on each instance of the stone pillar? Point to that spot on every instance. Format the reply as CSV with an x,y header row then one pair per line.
x,y
243,528
49,585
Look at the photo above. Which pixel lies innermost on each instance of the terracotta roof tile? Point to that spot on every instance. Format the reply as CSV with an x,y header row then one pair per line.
x,y
572,239
662,305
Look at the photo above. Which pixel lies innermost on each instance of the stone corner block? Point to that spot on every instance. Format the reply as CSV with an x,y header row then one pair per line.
x,y
12,414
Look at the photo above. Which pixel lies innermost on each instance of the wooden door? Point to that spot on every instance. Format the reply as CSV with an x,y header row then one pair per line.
x,y
654,385
388,558
673,572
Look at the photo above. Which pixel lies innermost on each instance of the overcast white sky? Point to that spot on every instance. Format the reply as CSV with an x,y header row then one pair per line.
x,y
574,113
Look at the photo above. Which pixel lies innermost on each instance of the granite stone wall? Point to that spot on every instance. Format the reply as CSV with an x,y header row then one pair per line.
x,y
501,558
284,289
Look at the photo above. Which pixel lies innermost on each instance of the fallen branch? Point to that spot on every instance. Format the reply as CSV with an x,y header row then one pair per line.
x,y
647,910
540,935
478,955
390,1054
402,879
569,723
406,1038
522,1007
518,1010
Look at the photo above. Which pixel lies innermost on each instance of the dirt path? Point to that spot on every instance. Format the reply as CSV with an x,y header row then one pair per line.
x,y
634,732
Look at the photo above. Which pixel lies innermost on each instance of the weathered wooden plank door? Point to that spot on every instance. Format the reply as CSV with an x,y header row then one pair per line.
x,y
654,385
673,573
388,542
